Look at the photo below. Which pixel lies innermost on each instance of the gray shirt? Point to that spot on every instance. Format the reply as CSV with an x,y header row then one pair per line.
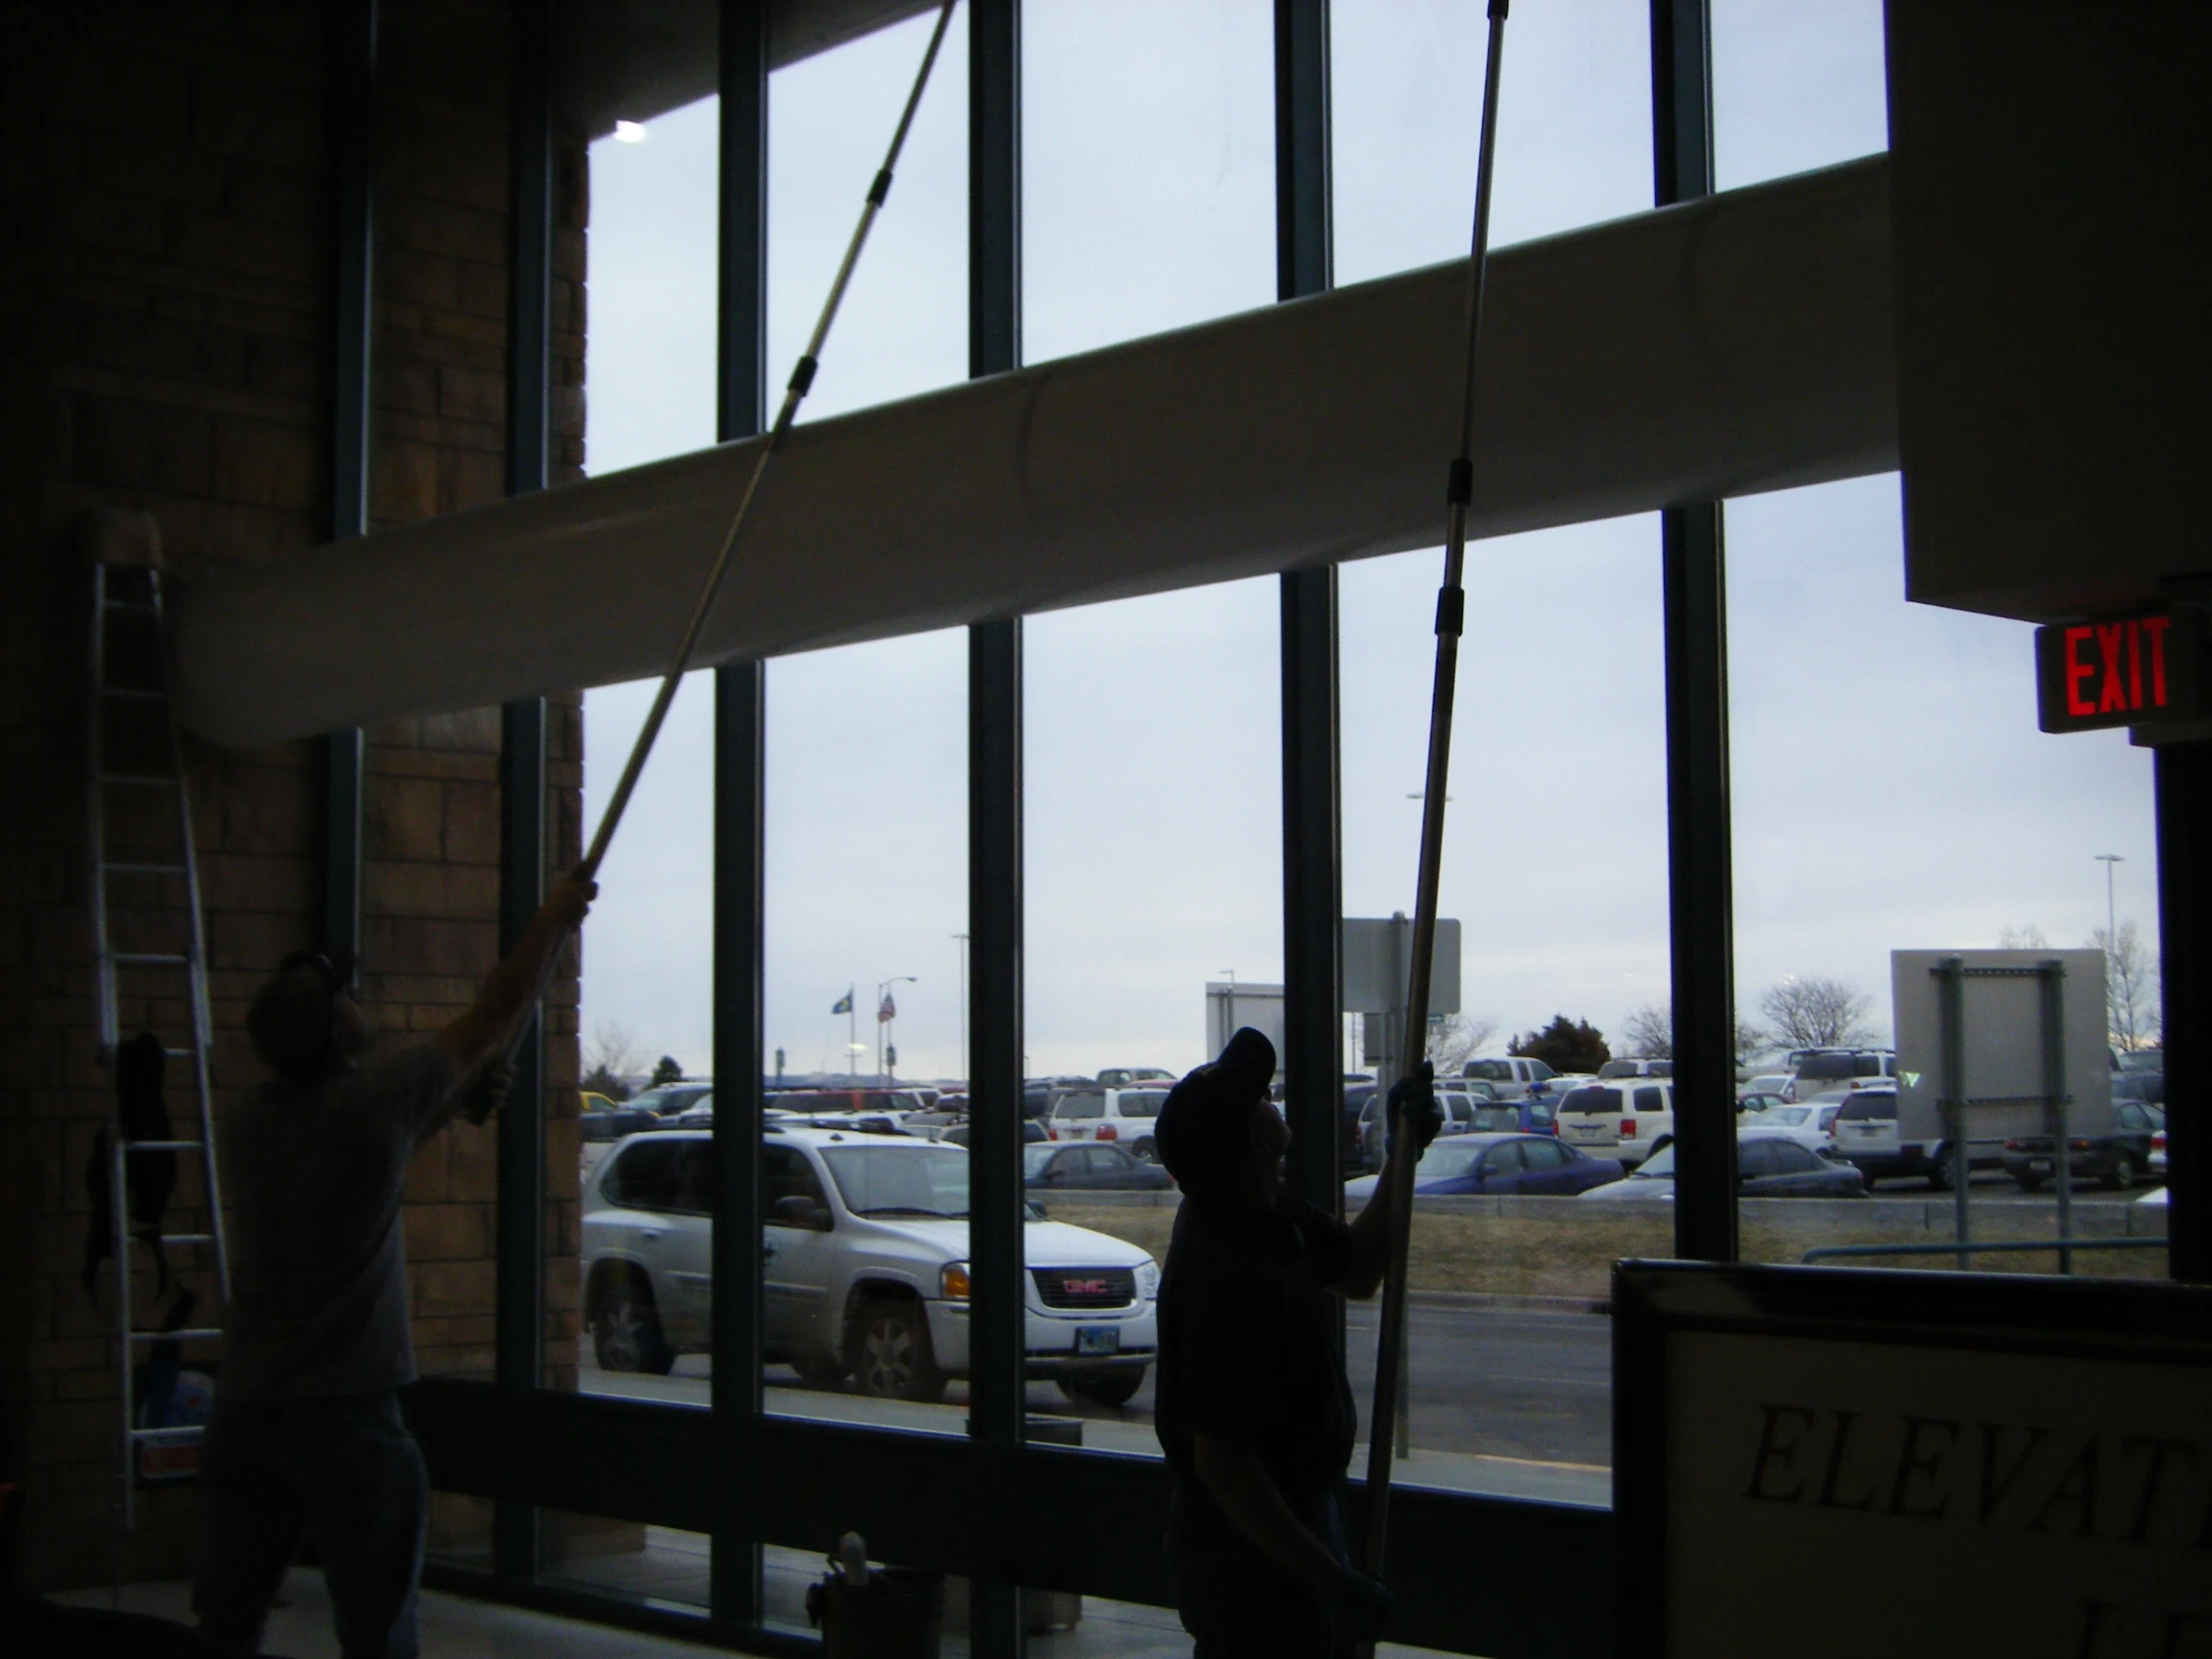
x,y
318,1301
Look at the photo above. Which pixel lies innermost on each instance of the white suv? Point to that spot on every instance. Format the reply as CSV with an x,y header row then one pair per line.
x,y
1629,1119
1510,1075
864,1270
1124,1116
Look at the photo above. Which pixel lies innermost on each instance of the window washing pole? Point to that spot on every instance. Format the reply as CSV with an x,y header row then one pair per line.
x,y
794,393
1450,614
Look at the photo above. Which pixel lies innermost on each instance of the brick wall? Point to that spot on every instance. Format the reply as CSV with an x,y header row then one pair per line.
x,y
165,324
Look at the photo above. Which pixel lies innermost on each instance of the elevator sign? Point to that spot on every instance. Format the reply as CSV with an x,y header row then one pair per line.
x,y
2139,670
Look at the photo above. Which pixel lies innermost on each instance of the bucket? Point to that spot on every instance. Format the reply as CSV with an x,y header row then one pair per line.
x,y
897,1616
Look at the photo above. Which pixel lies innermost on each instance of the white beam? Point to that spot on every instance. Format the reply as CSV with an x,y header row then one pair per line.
x,y
1738,343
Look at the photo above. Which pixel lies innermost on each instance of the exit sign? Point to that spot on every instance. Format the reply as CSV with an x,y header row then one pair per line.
x,y
2139,670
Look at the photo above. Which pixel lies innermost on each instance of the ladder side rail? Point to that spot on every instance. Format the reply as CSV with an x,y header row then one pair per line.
x,y
124,1346
202,1022
96,822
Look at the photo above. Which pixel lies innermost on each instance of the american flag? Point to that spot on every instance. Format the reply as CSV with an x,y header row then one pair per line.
x,y
888,1012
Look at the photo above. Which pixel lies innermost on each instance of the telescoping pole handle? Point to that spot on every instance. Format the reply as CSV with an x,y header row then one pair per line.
x,y
1450,613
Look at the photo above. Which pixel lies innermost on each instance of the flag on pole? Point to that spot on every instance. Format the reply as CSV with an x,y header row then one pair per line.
x,y
888,1012
843,1004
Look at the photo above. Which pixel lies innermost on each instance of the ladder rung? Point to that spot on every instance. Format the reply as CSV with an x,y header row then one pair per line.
x,y
188,1238
151,958
190,1333
138,780
141,870
127,604
181,1053
160,1146
182,1431
136,693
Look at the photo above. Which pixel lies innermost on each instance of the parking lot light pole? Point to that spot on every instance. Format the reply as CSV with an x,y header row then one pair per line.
x,y
883,989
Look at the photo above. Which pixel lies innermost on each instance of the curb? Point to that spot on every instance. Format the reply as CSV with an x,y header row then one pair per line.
x,y
1513,1303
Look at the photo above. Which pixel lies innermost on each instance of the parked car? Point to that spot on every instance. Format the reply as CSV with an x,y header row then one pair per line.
x,y
1812,1125
612,1123
1458,1108
1123,1116
1766,1166
1089,1167
849,1100
1032,1132
1509,1074
1492,1163
591,1100
2116,1161
670,1098
1634,1068
865,1268
1837,1071
1626,1121
1866,1131
2142,1059
2147,1086
1767,1082
1122,1077
1532,1114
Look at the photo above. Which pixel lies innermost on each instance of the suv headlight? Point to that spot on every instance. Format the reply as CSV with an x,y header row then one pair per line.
x,y
954,1282
1148,1281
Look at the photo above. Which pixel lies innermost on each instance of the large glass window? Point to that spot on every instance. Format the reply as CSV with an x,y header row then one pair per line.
x,y
1796,87
1574,126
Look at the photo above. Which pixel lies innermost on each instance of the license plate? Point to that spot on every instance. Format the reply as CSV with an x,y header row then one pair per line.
x,y
2039,1166
1098,1339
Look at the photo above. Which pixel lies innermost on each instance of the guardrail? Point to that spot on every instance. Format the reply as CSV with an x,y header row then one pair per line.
x,y
2065,1247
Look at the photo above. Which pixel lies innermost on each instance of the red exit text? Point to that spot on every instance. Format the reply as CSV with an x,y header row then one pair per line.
x,y
2123,671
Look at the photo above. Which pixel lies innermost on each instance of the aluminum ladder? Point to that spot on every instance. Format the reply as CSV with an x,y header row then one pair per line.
x,y
134,752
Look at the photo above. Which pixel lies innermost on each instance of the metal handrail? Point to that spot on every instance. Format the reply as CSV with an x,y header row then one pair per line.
x,y
1831,1253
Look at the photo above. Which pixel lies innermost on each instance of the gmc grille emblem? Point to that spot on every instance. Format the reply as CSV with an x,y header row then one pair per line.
x,y
1083,1287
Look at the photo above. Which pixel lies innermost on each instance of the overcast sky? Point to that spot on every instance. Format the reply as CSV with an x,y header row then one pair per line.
x,y
1890,788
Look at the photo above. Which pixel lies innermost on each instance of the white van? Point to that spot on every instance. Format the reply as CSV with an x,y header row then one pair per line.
x,y
1126,1116
1628,1120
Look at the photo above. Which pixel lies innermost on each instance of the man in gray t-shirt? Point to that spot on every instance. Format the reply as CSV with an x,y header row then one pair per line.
x,y
305,1437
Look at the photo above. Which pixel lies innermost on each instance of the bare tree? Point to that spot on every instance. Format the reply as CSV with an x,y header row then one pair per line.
x,y
1815,1012
2130,988
1649,1033
1456,1037
2029,937
609,1056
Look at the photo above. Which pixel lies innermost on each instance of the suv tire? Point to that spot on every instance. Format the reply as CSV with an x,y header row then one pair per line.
x,y
819,1369
2030,1183
1944,1171
2123,1174
625,1333
1145,1152
1104,1388
892,1356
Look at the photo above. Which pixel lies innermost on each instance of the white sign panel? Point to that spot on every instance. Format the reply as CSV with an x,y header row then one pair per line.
x,y
2003,1027
1378,958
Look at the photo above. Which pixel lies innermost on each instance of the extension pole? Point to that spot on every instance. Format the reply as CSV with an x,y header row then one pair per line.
x,y
1450,612
794,393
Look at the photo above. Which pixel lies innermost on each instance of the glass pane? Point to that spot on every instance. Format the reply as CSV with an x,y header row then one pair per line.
x,y
1796,87
649,1565
1148,157
1555,866
866,872
1574,126
1975,832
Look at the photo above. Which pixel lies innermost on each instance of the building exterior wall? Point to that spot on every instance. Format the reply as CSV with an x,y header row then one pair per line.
x,y
166,316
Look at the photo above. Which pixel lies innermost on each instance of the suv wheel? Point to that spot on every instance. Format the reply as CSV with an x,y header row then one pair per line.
x,y
2123,1174
1944,1171
1145,1152
820,1371
1104,1388
627,1333
2030,1183
891,1352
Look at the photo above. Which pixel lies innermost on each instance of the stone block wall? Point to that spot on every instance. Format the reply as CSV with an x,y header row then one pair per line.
x,y
165,315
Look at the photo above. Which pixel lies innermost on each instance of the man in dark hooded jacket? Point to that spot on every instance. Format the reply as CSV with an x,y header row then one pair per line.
x,y
1253,1409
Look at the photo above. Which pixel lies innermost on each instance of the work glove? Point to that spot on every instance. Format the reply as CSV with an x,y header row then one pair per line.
x,y
485,1093
1361,1606
1415,1099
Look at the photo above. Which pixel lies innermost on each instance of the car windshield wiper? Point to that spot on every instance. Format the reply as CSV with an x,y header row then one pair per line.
x,y
913,1210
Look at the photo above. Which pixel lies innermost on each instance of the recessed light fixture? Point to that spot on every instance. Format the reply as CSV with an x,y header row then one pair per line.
x,y
628,132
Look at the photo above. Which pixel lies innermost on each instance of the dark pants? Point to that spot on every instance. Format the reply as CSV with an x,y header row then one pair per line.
x,y
1234,1603
343,1470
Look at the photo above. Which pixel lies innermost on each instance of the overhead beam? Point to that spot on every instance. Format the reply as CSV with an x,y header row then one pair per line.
x,y
1737,343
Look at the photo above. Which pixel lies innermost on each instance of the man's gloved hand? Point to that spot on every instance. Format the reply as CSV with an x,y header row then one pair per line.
x,y
1361,1606
486,1092
1415,1098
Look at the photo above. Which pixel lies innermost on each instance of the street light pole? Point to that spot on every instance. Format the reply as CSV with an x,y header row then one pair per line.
x,y
966,1065
2112,943
882,1024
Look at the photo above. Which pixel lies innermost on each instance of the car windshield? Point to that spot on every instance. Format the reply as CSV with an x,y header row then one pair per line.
x,y
1591,1100
1496,1117
1791,1115
900,1180
1034,1158
1445,1161
1659,1164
